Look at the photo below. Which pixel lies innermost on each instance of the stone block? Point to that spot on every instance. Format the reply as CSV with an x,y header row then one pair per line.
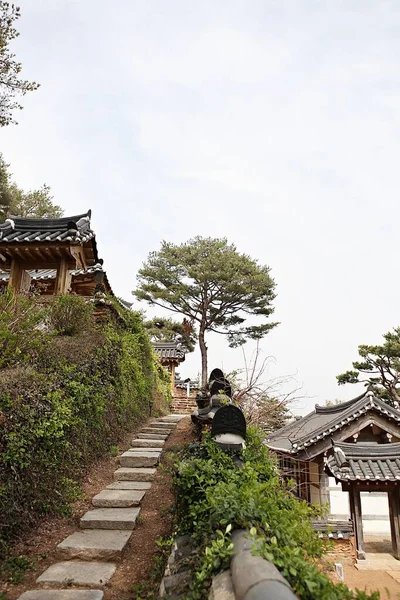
x,y
118,498
151,436
62,595
129,485
94,544
145,449
110,518
143,443
77,572
135,474
158,430
222,587
139,459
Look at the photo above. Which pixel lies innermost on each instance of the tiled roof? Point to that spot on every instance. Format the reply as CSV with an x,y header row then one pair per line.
x,y
325,420
66,229
169,350
43,274
364,462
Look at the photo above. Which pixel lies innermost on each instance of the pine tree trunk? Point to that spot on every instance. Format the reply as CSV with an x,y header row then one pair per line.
x,y
203,350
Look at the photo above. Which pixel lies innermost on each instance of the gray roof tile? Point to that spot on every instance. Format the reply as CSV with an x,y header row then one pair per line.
x,y
364,462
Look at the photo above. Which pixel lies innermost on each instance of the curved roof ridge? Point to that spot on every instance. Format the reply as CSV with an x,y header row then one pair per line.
x,y
338,407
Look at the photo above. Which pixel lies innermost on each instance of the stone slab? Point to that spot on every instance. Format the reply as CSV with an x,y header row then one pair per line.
x,y
94,544
129,485
151,436
62,595
158,450
143,443
139,459
222,587
135,474
157,430
110,518
118,498
78,572
174,418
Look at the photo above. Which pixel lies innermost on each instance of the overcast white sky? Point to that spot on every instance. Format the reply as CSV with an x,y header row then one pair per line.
x,y
274,123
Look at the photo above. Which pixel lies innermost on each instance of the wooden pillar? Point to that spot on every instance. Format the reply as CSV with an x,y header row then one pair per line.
x,y
394,516
356,516
172,378
63,279
324,487
15,275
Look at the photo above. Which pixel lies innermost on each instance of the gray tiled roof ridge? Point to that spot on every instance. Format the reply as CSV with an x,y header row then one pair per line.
x,y
349,411
368,449
30,229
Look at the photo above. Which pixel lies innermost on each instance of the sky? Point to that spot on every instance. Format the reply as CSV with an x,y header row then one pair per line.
x,y
274,123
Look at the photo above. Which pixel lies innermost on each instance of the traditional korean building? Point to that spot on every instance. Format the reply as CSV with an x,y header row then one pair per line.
x,y
171,355
51,256
355,444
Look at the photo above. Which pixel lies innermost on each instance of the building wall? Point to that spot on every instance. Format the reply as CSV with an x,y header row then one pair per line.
x,y
374,506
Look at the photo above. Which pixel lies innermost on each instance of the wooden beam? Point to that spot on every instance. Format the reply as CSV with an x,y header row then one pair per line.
x,y
356,516
394,516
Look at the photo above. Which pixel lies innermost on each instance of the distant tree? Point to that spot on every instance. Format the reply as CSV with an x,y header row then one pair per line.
x,y
35,203
265,401
14,201
209,282
379,366
10,83
5,196
167,330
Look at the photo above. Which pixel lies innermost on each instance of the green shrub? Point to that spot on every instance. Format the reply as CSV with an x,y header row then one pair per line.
x,y
70,315
21,334
63,408
214,495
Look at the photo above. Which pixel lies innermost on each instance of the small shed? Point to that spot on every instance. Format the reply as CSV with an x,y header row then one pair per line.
x,y
171,355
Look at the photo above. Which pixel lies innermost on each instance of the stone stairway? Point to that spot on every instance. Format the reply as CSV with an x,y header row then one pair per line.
x,y
89,557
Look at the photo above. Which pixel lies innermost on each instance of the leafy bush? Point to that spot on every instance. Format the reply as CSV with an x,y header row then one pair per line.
x,y
215,495
70,315
63,408
20,331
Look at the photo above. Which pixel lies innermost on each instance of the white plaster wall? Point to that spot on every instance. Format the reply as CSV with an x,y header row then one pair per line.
x,y
373,504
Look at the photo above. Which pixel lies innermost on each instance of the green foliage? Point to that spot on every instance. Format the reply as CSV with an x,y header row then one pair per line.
x,y
214,495
20,334
15,201
213,285
70,315
380,367
63,408
13,568
10,69
168,330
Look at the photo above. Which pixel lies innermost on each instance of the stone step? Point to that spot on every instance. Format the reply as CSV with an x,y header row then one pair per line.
x,y
110,518
156,430
78,572
158,450
94,544
151,436
62,595
145,443
134,474
162,425
129,485
118,498
139,459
